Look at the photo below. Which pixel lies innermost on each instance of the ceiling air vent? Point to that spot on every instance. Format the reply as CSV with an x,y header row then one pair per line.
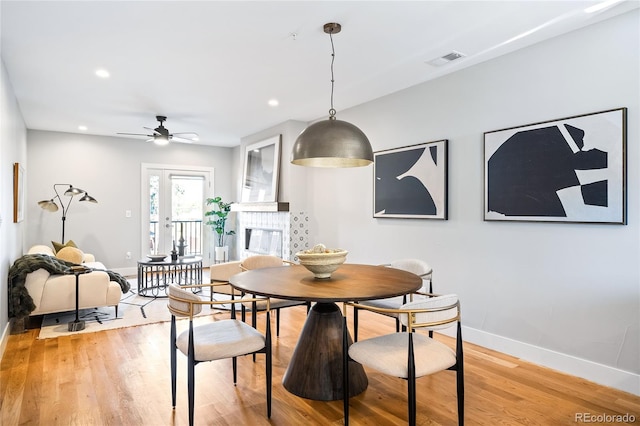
x,y
446,58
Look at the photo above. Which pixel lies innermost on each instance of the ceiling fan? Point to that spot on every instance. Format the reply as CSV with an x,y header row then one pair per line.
x,y
162,136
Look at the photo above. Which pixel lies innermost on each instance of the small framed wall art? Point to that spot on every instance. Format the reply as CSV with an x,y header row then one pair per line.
x,y
261,171
18,193
411,181
567,170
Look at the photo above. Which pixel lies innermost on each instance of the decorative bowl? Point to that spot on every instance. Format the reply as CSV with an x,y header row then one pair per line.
x,y
156,257
321,261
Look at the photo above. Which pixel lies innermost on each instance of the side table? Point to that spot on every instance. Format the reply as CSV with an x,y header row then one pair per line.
x,y
155,276
77,324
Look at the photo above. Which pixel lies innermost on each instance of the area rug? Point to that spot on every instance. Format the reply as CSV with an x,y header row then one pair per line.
x,y
134,310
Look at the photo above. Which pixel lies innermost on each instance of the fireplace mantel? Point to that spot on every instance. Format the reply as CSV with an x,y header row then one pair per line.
x,y
260,207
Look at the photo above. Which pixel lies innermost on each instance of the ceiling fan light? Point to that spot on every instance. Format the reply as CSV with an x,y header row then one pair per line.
x,y
161,140
332,143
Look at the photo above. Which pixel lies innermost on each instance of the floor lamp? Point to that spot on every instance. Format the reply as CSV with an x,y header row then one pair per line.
x,y
51,206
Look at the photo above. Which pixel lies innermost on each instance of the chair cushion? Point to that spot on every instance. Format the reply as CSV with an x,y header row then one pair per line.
x,y
179,307
388,354
222,339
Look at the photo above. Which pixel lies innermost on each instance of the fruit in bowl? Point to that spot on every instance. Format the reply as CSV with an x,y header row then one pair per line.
x,y
321,261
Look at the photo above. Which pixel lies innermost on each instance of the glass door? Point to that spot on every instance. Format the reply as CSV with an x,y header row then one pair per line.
x,y
175,199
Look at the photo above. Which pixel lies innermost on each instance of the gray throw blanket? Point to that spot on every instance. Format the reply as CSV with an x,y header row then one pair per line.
x,y
20,302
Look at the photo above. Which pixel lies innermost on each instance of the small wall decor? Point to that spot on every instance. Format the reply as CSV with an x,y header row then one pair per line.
x,y
411,181
567,170
261,170
18,193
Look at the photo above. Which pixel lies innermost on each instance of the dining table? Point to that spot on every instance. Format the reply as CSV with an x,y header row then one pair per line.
x,y
315,370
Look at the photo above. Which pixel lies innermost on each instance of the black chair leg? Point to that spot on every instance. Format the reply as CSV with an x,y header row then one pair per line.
x,y
234,366
278,322
191,374
269,361
173,353
460,376
355,324
345,371
411,383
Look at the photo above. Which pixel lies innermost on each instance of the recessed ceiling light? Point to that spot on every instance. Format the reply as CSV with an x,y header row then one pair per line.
x,y
273,102
102,73
82,128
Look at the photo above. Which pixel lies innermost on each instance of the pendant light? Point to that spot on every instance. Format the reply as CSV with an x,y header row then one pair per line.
x,y
332,142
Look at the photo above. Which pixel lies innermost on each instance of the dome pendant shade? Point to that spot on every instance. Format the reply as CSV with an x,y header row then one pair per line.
x,y
332,143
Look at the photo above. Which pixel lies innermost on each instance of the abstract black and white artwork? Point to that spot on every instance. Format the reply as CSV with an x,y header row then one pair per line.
x,y
411,182
261,171
567,170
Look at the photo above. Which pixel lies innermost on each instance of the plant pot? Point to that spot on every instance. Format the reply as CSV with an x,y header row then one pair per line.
x,y
221,254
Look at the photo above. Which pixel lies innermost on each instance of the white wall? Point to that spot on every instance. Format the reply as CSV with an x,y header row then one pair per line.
x,y
13,137
109,169
563,295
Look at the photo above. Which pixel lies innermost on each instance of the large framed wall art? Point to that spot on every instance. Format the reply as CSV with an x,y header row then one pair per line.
x,y
18,193
567,170
411,181
261,170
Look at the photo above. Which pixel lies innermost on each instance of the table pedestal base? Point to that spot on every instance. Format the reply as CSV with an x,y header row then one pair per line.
x,y
320,346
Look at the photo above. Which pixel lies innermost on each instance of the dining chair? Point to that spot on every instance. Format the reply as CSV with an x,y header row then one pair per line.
x,y
416,266
219,275
220,339
410,354
268,261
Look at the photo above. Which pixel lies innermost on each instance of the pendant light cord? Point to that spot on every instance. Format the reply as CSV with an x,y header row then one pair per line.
x,y
332,111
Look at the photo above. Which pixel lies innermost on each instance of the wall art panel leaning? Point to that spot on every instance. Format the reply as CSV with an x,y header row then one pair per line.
x,y
567,170
411,182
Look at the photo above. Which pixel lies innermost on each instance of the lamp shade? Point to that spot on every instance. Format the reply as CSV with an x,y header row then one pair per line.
x,y
73,191
87,197
48,205
332,143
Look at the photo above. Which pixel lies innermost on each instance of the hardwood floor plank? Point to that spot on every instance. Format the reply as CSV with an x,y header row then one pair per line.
x,y
120,377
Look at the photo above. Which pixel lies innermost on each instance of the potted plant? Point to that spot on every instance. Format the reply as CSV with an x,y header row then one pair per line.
x,y
217,219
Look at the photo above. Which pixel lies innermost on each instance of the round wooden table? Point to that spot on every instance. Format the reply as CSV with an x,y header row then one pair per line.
x,y
315,369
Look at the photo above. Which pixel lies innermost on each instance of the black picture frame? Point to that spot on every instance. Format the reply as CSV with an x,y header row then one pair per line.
x,y
411,182
572,169
261,171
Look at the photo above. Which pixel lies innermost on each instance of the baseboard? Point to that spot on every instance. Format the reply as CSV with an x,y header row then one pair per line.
x,y
589,370
5,339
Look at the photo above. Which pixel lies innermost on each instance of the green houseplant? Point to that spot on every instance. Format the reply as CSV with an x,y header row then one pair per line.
x,y
217,219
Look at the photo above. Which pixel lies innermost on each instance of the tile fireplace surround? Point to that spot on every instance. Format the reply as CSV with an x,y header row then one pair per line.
x,y
282,234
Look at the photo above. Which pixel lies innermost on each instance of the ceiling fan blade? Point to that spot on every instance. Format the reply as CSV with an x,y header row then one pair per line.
x,y
175,138
133,134
153,130
186,134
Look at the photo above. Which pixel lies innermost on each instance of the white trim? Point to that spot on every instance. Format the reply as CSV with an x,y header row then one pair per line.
x,y
5,339
599,373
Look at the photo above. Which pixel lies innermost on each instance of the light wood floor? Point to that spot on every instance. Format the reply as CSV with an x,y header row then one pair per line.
x,y
121,377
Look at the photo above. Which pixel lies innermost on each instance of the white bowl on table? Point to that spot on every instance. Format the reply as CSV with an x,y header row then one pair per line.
x,y
321,261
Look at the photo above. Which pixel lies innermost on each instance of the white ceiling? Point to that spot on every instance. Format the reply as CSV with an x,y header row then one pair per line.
x,y
211,66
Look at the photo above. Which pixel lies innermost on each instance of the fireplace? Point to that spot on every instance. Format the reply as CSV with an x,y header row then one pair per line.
x,y
280,234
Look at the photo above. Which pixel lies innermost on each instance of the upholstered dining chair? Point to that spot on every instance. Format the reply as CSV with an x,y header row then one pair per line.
x,y
410,354
219,275
220,339
416,266
268,261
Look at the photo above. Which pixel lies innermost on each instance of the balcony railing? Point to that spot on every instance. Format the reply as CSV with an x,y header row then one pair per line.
x,y
191,232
